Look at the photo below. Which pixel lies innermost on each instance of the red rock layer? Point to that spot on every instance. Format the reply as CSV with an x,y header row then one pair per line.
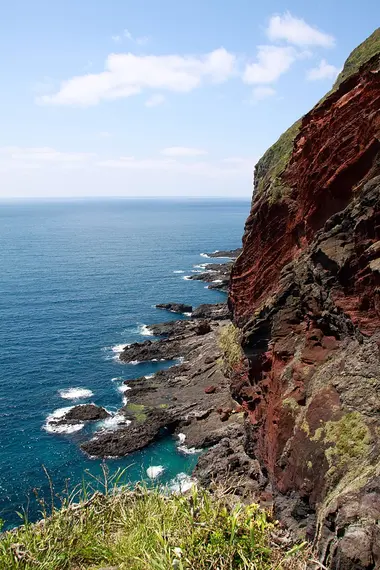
x,y
306,293
333,154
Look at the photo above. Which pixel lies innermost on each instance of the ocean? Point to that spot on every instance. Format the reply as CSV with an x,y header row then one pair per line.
x,y
78,280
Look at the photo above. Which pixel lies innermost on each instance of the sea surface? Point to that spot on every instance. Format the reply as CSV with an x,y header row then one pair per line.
x,y
77,280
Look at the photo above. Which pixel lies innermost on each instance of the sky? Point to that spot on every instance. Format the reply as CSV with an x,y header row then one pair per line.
x,y
160,97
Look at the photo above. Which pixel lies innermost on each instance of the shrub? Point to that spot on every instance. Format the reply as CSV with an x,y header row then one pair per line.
x,y
229,343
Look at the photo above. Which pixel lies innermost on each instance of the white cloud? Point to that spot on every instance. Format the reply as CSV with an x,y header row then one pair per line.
x,y
272,61
34,157
183,151
155,100
116,39
297,32
262,92
141,41
129,74
323,71
205,168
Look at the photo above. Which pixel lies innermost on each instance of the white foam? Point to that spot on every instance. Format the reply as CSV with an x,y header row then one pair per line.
x,y
135,362
204,255
186,278
144,330
183,448
178,271
117,379
181,438
124,388
51,425
114,422
149,376
118,348
201,265
188,450
63,428
187,314
181,483
75,393
218,281
155,471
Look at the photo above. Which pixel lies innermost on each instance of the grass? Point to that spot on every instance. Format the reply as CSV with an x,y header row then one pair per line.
x,y
360,55
273,163
145,529
269,168
348,441
229,343
138,411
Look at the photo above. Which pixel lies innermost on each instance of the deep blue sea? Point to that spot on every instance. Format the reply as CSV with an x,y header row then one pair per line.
x,y
77,279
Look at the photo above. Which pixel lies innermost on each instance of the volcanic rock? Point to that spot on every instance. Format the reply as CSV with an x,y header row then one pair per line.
x,y
175,307
306,294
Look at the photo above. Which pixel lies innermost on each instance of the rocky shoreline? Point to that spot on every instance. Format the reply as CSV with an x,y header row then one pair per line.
x,y
190,401
217,275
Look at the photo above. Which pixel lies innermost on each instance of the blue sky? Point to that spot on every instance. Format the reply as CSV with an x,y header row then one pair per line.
x,y
160,98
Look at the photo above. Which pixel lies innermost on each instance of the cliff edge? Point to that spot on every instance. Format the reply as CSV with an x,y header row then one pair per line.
x,y
305,293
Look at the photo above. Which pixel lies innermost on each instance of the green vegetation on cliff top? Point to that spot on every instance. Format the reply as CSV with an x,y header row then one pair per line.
x,y
150,530
361,54
269,168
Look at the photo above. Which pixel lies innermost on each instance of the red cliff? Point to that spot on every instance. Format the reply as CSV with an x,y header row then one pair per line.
x,y
306,294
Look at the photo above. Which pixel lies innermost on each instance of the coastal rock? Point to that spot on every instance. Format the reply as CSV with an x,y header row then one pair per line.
x,y
174,399
85,413
166,349
216,274
175,307
146,427
305,294
227,253
179,328
218,311
226,463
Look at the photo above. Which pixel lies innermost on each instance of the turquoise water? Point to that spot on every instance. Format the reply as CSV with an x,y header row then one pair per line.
x,y
77,279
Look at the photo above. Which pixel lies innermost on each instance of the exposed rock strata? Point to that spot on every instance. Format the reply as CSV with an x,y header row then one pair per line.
x,y
306,294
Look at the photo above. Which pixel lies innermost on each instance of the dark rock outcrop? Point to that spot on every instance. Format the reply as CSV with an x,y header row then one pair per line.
x,y
225,253
176,399
219,311
85,413
305,293
175,307
216,274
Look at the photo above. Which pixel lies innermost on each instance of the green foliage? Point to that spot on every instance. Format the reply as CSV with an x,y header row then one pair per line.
x,y
138,411
229,343
360,55
350,439
273,163
145,529
269,168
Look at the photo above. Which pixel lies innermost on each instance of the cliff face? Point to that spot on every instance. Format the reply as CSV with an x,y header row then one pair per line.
x,y
306,294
